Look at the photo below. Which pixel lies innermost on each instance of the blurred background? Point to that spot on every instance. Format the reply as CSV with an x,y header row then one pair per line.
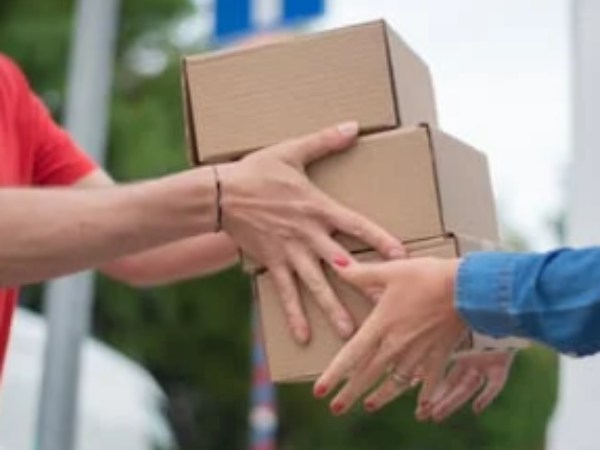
x,y
176,367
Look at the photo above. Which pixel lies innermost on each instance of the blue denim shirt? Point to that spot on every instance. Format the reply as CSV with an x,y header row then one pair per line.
x,y
552,297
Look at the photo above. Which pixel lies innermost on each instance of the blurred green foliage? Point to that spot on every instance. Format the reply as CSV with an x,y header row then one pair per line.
x,y
194,336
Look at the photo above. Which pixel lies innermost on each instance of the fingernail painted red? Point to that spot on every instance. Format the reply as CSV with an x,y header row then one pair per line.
x,y
370,405
341,261
320,390
337,407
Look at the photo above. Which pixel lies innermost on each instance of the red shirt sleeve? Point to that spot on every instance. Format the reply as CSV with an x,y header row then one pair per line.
x,y
56,159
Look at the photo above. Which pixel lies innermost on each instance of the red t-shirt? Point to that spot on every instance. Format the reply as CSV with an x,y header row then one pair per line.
x,y
33,151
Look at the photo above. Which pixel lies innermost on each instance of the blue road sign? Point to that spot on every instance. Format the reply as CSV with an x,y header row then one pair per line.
x,y
234,17
297,10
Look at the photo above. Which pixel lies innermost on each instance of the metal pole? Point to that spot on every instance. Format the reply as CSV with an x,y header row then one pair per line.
x,y
573,425
68,300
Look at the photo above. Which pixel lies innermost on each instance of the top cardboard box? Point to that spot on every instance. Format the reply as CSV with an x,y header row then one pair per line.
x,y
240,100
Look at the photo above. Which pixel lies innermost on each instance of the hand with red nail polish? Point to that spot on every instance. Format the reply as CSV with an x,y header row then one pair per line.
x,y
282,221
337,408
341,261
413,329
320,391
370,406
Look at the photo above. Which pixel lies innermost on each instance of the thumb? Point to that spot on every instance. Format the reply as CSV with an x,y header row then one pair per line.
x,y
304,150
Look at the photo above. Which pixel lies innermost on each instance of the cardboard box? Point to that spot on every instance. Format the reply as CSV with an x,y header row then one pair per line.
x,y
239,100
290,362
416,182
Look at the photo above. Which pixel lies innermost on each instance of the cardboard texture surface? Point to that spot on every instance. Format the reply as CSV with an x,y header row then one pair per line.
x,y
236,101
416,182
290,362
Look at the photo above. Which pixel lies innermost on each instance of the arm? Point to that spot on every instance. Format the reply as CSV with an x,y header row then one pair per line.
x,y
551,297
180,260
269,208
172,262
50,232
55,160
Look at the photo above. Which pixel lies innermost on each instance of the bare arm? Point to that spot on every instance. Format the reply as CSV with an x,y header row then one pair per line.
x,y
181,260
50,232
168,263
269,208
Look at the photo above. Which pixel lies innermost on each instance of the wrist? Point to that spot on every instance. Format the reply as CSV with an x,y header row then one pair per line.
x,y
450,273
187,201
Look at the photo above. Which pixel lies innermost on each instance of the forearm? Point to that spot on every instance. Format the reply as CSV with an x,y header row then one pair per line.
x,y
551,297
177,261
50,232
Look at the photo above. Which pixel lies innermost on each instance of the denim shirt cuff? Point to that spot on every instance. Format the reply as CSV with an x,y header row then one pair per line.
x,y
483,293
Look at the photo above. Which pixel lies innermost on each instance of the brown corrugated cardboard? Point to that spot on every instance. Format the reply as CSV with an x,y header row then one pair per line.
x,y
416,182
290,362
244,99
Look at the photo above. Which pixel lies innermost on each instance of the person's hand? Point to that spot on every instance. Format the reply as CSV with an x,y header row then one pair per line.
x,y
273,212
409,336
483,372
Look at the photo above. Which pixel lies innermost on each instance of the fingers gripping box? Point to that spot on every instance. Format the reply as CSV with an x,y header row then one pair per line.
x,y
415,182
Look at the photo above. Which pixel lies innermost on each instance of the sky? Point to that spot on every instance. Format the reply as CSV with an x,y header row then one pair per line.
x,y
501,70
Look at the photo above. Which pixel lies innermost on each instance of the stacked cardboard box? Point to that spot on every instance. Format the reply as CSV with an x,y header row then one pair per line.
x,y
426,187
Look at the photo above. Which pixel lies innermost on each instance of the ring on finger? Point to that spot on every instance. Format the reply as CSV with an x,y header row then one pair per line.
x,y
400,380
415,380
417,376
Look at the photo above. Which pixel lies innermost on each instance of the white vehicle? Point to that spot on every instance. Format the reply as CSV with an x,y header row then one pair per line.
x,y
120,404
